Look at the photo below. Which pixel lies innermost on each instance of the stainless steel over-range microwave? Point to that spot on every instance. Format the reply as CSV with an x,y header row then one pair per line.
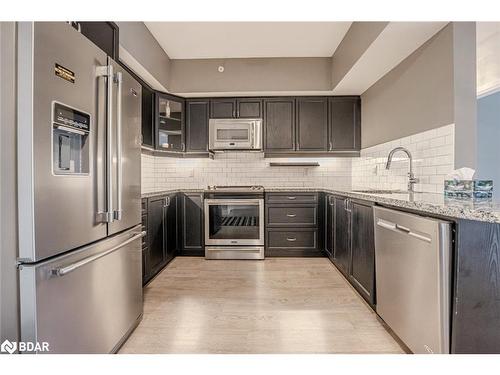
x,y
235,134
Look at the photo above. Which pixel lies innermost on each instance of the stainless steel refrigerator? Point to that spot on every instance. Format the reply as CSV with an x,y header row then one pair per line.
x,y
79,155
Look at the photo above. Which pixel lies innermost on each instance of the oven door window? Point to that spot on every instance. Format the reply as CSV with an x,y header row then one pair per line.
x,y
234,222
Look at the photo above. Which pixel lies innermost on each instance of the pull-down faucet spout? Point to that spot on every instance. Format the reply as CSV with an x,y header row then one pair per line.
x,y
411,177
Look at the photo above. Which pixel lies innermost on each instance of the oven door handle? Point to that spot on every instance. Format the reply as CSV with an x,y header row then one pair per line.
x,y
234,202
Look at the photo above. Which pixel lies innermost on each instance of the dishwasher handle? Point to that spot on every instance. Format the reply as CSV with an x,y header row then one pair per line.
x,y
403,230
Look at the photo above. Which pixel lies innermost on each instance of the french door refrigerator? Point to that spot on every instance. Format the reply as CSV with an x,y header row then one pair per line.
x,y
79,188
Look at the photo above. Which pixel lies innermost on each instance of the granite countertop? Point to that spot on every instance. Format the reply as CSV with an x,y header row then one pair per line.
x,y
431,203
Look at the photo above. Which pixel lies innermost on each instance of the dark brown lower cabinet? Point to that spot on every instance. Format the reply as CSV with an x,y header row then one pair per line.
x,y
172,227
350,242
157,233
476,289
292,224
342,227
329,225
161,221
145,242
362,267
193,242
292,242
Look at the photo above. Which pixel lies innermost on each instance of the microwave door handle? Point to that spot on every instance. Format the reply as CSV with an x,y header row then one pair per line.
x,y
252,134
118,211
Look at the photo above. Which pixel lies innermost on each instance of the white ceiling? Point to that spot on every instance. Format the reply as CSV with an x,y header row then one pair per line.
x,y
395,43
206,40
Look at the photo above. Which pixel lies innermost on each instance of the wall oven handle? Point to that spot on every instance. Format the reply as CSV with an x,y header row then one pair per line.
x,y
118,211
61,271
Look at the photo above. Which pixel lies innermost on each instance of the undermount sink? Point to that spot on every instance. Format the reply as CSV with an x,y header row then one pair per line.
x,y
381,191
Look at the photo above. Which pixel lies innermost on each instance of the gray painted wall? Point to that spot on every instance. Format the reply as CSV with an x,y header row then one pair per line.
x,y
488,126
465,93
433,87
357,40
140,43
9,323
244,75
415,96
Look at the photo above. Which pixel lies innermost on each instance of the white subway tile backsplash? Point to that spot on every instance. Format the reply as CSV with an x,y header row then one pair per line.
x,y
433,153
242,168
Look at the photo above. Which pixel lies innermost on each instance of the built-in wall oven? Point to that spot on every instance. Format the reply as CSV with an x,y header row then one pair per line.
x,y
234,222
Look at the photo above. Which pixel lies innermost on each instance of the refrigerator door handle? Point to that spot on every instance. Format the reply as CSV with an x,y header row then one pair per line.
x,y
118,212
107,72
61,271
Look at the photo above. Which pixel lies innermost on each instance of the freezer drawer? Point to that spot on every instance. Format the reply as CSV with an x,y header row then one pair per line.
x,y
413,278
87,301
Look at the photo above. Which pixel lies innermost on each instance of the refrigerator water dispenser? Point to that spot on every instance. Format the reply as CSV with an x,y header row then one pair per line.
x,y
70,140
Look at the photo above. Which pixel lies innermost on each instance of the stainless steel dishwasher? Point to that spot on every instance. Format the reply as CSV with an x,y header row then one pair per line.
x,y
413,278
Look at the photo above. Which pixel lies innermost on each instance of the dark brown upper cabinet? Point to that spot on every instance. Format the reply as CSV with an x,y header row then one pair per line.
x,y
249,108
312,124
236,108
104,35
279,123
197,116
148,120
223,108
344,123
169,123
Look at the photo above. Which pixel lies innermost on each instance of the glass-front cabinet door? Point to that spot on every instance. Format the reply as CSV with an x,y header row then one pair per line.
x,y
170,123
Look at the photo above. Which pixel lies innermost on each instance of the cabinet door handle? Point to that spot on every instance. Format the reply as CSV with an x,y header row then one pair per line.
x,y
347,205
291,215
183,146
330,146
291,239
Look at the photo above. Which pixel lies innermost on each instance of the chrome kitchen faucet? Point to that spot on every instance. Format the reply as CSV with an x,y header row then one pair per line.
x,y
412,180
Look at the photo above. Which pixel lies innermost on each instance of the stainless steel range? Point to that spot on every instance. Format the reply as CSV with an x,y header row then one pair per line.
x,y
234,222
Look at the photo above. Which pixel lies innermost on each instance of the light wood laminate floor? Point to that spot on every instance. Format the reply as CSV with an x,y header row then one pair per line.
x,y
279,305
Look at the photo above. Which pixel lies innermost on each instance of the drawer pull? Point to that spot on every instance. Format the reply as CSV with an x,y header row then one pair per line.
x,y
291,239
292,198
291,215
